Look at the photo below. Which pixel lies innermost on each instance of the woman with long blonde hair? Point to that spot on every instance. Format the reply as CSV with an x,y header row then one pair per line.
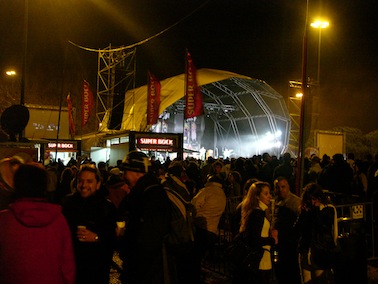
x,y
255,224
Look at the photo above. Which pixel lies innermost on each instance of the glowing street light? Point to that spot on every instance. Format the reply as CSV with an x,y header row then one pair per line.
x,y
319,24
10,73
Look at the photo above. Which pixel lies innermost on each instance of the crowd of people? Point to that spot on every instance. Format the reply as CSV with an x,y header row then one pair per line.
x,y
62,223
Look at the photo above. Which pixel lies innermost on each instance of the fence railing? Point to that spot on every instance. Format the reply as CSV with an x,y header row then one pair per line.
x,y
355,218
359,219
216,260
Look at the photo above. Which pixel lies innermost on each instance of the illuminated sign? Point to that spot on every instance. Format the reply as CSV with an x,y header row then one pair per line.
x,y
156,141
164,142
61,145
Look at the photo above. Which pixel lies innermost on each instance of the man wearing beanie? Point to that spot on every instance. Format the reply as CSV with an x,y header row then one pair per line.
x,y
146,213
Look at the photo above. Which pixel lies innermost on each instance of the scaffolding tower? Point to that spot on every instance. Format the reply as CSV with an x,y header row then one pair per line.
x,y
294,105
116,74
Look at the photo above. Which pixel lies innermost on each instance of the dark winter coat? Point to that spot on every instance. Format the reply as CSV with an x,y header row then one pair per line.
x,y
99,215
146,211
35,244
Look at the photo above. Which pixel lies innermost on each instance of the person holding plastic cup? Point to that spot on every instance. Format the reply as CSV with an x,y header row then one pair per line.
x,y
92,219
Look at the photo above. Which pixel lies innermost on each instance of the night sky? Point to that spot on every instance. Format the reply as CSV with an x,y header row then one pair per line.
x,y
260,39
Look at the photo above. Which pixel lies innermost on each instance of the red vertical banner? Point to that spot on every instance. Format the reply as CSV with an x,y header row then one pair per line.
x,y
87,103
70,115
153,99
193,96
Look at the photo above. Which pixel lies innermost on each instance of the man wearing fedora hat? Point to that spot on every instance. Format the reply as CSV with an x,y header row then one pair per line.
x,y
145,211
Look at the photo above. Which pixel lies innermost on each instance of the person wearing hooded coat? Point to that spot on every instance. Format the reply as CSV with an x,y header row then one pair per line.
x,y
35,240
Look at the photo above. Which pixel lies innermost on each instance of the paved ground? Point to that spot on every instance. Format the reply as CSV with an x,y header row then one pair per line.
x,y
211,277
373,272
214,278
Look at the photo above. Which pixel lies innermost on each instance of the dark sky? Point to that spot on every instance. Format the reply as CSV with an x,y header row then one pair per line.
x,y
260,39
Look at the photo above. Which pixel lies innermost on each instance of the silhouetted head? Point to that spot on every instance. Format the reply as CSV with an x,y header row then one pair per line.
x,y
30,180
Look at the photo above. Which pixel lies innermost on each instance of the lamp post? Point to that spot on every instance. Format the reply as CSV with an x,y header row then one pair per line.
x,y
305,95
25,51
314,100
318,24
12,74
304,89
24,60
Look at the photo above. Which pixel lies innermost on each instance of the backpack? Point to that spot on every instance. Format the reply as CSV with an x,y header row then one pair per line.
x,y
182,213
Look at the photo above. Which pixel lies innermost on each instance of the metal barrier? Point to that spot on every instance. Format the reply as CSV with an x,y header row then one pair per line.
x,y
355,218
358,219
356,240
216,259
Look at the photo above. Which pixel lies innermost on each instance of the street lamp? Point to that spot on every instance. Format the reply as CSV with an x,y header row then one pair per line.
x,y
304,88
10,73
25,47
318,24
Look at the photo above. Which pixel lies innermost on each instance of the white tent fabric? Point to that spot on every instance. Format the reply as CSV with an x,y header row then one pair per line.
x,y
172,90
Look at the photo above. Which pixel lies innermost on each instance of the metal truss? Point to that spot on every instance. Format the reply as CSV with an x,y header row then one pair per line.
x,y
227,104
115,75
233,131
218,111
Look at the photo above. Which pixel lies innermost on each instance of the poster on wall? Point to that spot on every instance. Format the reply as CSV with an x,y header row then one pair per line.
x,y
43,123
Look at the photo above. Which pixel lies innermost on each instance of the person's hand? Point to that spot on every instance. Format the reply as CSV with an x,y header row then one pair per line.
x,y
120,230
85,235
125,188
274,234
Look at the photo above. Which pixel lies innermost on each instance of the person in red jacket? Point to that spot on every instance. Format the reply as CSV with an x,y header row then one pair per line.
x,y
35,240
